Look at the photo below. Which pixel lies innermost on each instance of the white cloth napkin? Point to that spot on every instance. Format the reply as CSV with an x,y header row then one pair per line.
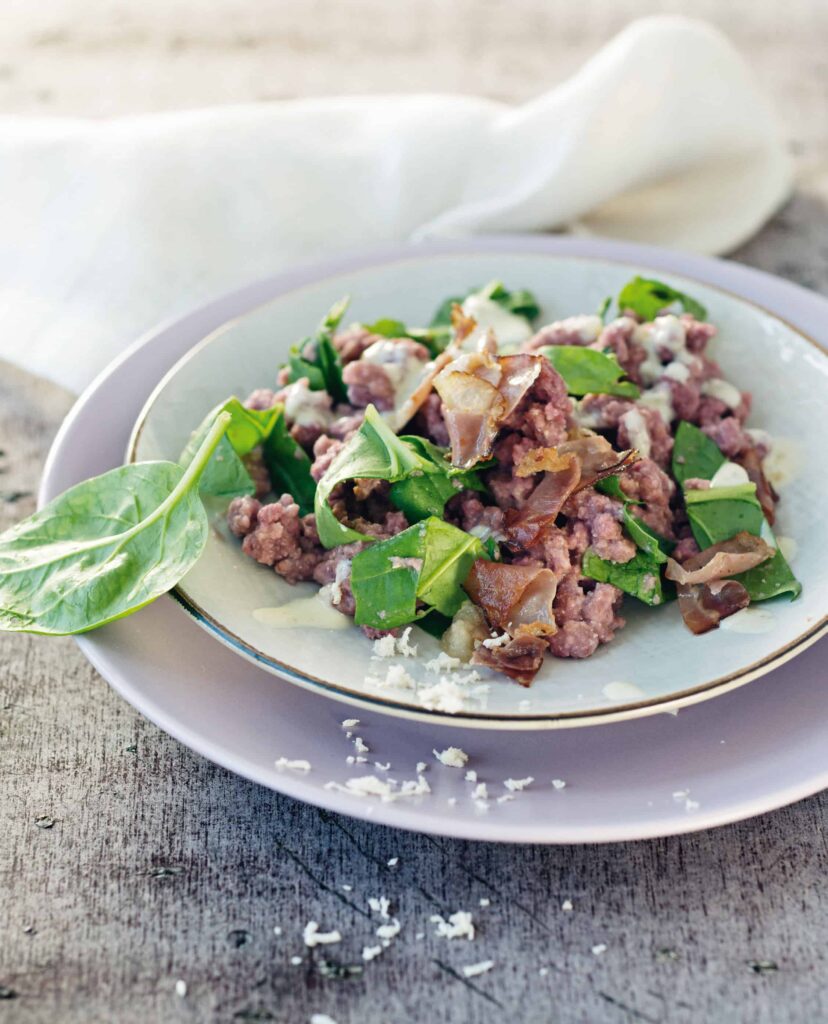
x,y
108,227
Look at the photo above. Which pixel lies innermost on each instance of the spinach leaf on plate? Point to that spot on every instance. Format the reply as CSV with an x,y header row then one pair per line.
x,y
611,486
640,577
422,479
695,455
720,513
106,547
435,339
648,297
422,569
317,359
645,538
288,464
586,371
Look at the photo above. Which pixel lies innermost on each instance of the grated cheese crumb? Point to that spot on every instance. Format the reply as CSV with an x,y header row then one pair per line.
x,y
181,988
559,784
472,970
370,952
471,775
347,888
691,805
382,767
313,937
321,1018
452,757
458,926
390,930
543,971
360,745
485,901
296,960
566,906
599,949
296,766
496,641
480,791
515,785
404,645
277,929
443,663
393,862
444,696
385,647
421,767
380,905
505,798
349,723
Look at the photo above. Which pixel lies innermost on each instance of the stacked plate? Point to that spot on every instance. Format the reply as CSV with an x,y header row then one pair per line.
x,y
661,756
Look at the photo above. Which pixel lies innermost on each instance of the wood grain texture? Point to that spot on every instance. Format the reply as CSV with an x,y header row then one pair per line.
x,y
160,866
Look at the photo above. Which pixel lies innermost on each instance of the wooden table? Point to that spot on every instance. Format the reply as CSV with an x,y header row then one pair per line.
x,y
128,864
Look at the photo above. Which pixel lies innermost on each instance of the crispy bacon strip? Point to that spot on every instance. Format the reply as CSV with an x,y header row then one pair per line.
x,y
704,605
478,393
541,509
519,373
598,458
765,492
515,598
519,659
728,558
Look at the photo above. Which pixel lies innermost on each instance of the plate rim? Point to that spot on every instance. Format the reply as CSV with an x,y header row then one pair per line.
x,y
285,284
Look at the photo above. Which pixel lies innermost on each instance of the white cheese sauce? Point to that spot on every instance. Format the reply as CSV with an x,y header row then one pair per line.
x,y
729,474
509,328
305,407
304,613
723,391
637,432
623,691
784,462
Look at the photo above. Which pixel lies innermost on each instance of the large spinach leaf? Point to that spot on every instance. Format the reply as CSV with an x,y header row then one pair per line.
x,y
720,513
648,297
106,547
588,372
422,569
288,464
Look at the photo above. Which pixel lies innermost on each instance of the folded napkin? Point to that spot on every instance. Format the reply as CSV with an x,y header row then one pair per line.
x,y
108,227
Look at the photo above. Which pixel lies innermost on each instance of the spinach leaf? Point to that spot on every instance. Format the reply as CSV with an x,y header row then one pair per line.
x,y
586,371
695,455
720,513
770,579
611,486
374,452
425,494
225,475
288,464
645,538
640,577
435,339
424,565
317,359
648,298
521,302
106,547
423,480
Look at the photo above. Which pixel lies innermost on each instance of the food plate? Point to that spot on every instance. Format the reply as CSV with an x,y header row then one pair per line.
x,y
750,751
655,663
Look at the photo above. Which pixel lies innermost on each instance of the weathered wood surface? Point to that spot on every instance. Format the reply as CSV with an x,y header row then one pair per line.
x,y
160,866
